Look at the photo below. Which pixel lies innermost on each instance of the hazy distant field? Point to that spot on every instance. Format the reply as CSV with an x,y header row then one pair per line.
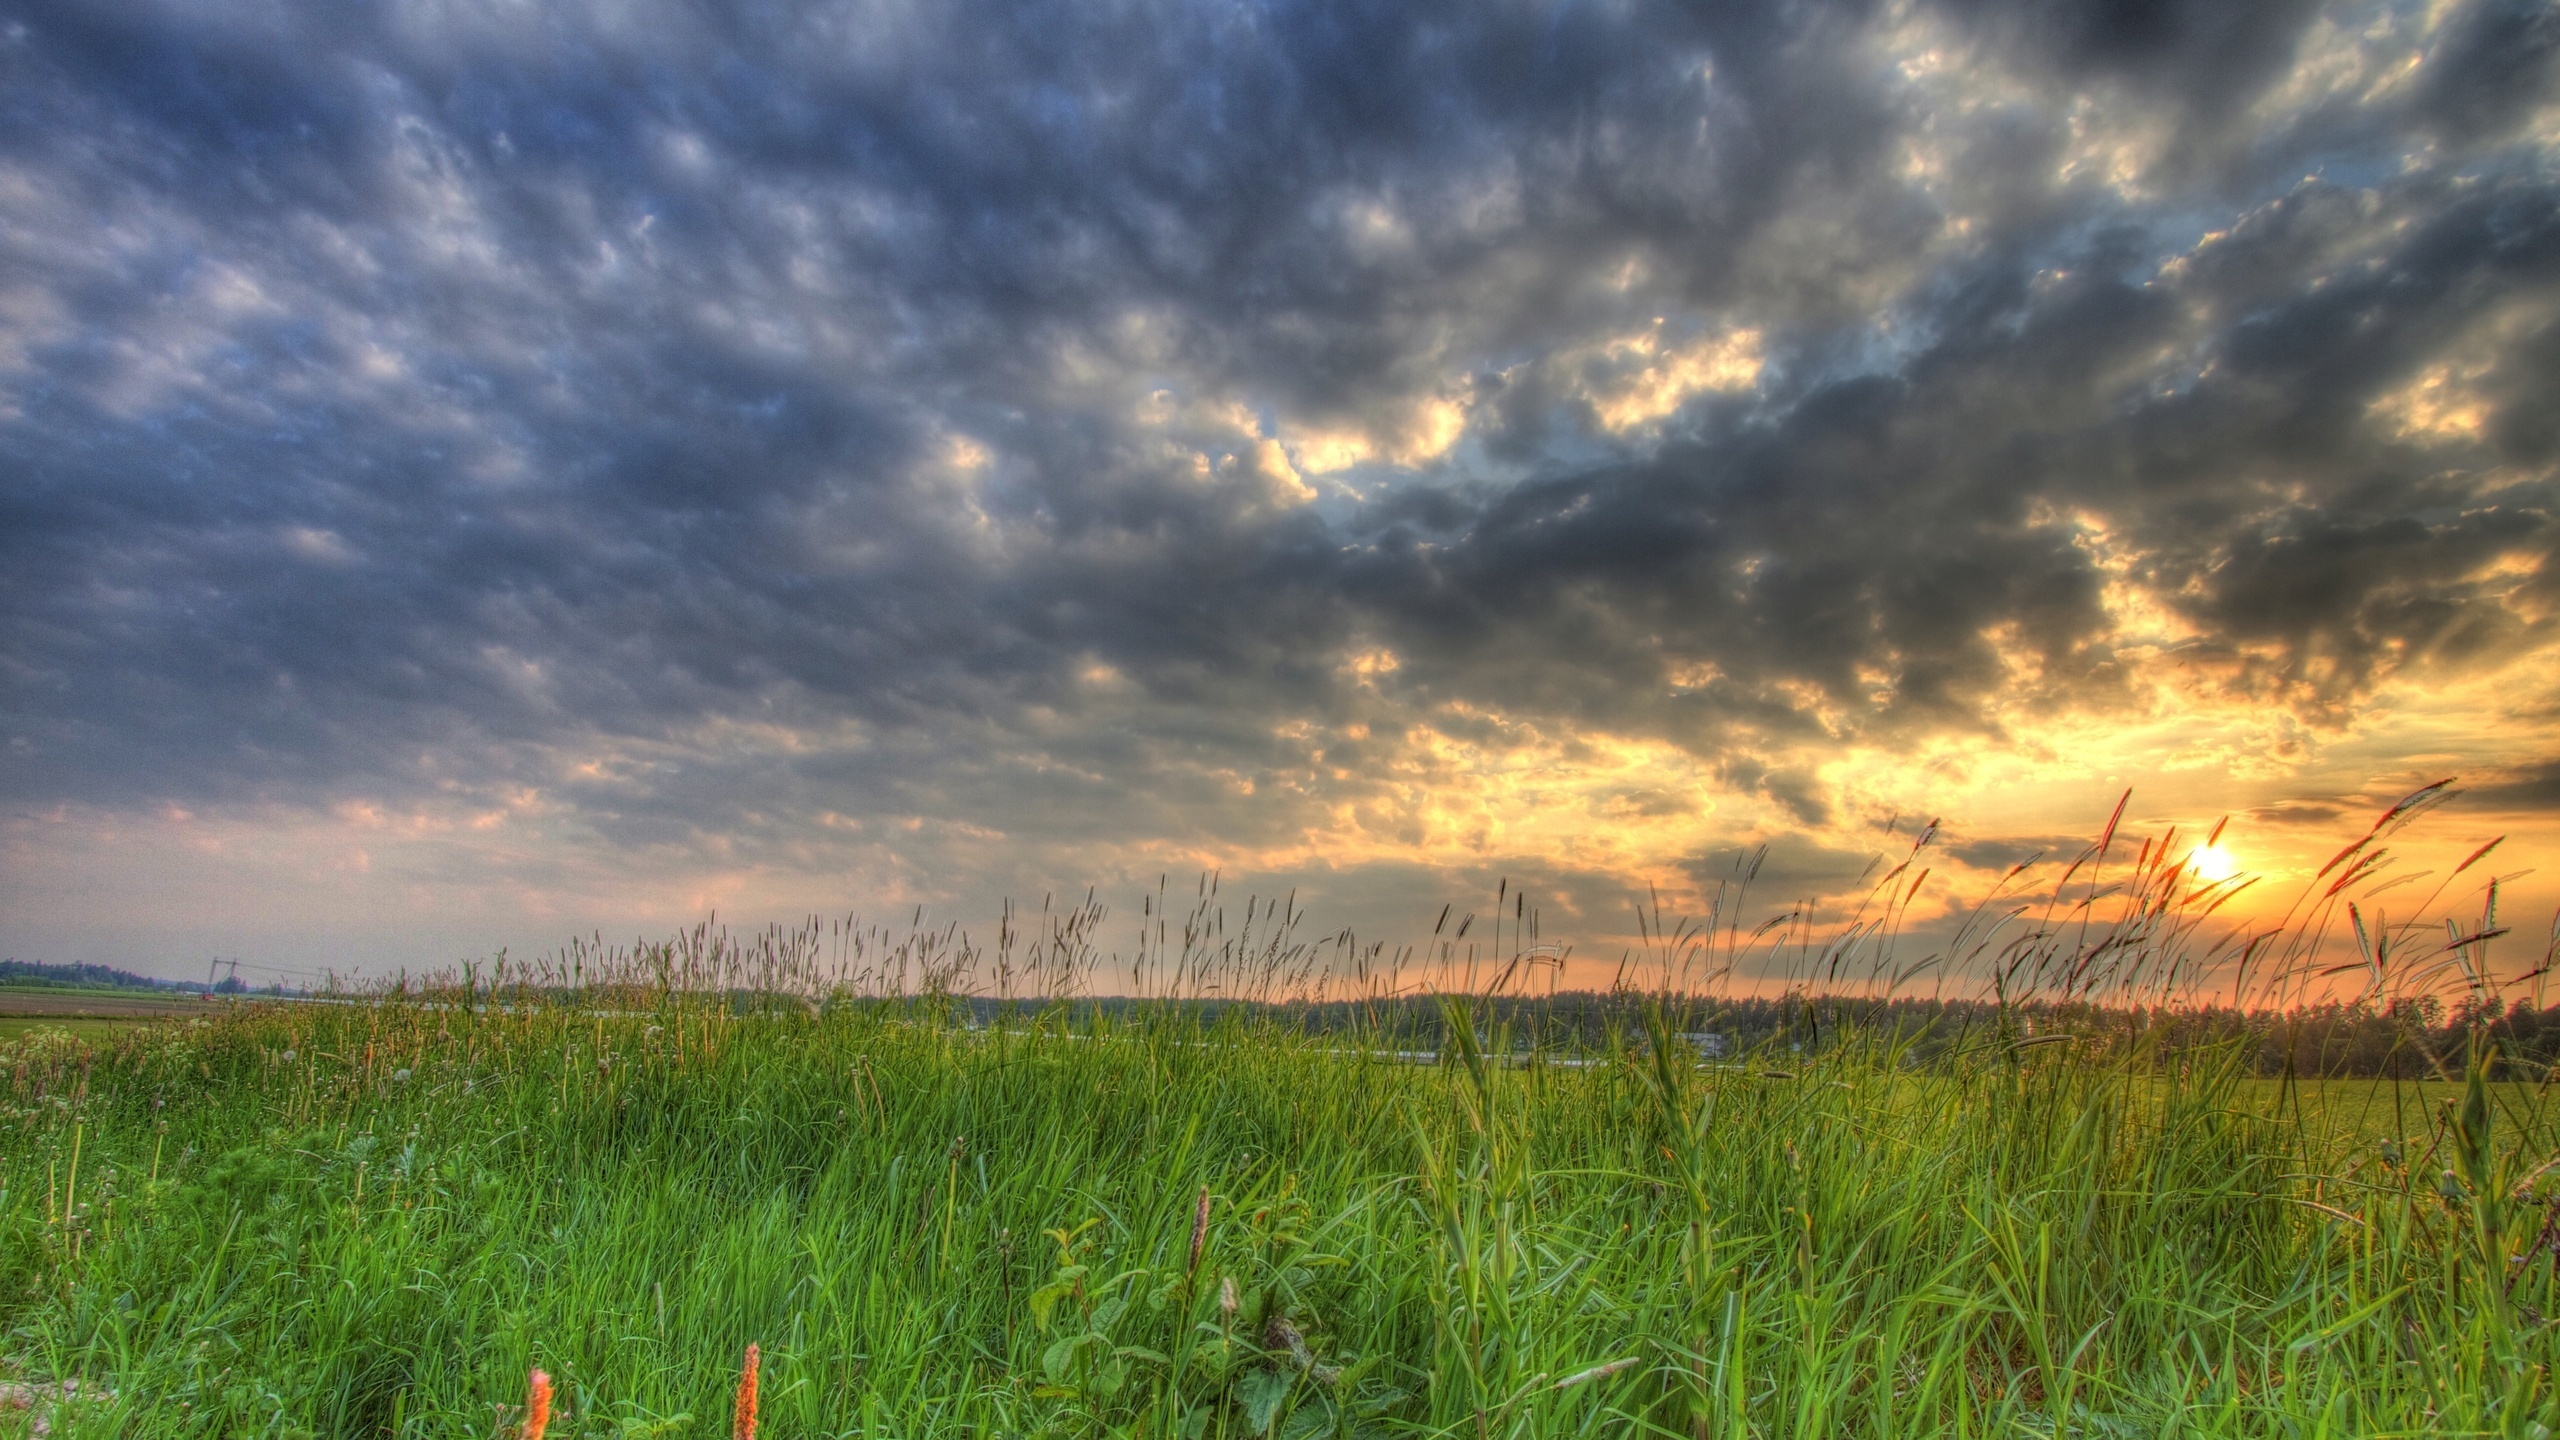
x,y
90,1014
86,1027
367,1221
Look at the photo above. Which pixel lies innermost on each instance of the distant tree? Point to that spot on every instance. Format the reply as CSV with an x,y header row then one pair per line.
x,y
31,972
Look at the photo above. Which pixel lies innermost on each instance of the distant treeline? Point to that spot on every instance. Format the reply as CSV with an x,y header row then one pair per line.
x,y
2412,1039
25,973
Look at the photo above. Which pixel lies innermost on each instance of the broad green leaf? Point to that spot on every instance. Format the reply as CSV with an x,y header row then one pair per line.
x,y
1046,1298
1059,1361
1312,1421
1378,1402
1065,1359
1262,1391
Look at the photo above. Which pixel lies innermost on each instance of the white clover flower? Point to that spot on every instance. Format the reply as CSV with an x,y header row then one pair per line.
x,y
400,1076
288,1057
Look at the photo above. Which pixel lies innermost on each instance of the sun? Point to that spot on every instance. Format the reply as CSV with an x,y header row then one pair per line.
x,y
2212,864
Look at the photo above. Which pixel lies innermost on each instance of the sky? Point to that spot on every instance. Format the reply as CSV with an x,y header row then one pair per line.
x,y
477,473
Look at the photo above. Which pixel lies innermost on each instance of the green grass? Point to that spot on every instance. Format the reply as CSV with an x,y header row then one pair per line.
x,y
375,1218
84,1027
2348,1111
107,992
273,1230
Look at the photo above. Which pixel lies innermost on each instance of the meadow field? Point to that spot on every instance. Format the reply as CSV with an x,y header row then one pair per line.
x,y
376,1219
934,1214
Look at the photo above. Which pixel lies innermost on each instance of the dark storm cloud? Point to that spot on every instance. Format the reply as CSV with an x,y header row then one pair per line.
x,y
716,415
1892,523
2535,788
2005,852
1785,870
2496,66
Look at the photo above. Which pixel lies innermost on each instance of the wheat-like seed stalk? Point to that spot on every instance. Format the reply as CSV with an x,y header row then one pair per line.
x,y
742,1425
1199,1227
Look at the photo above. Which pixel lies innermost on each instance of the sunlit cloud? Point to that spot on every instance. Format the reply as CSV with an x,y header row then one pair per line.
x,y
1637,379
455,496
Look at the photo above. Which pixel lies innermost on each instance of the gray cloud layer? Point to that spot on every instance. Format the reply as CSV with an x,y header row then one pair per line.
x,y
709,416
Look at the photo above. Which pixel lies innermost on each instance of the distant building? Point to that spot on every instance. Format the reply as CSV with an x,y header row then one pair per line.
x,y
1709,1044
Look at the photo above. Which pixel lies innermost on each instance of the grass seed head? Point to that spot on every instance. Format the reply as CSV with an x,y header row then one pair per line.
x,y
742,1424
537,1405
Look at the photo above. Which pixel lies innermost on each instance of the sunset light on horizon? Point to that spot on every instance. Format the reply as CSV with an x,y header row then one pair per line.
x,y
476,476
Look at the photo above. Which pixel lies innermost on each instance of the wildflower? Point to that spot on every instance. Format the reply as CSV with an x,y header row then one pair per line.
x,y
742,1424
400,1076
288,1057
537,1405
1227,1295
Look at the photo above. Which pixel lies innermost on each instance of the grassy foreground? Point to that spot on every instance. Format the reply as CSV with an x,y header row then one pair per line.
x,y
373,1219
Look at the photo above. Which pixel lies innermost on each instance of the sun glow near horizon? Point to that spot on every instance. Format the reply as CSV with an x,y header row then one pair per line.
x,y
2212,863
